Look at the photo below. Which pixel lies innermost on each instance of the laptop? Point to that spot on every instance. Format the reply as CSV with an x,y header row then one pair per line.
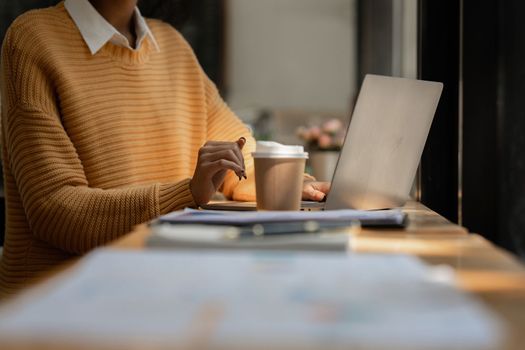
x,y
382,148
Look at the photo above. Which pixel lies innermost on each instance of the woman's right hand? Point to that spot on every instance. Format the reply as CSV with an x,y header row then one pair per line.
x,y
215,159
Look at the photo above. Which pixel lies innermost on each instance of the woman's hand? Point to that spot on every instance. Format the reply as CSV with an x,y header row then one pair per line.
x,y
315,190
215,159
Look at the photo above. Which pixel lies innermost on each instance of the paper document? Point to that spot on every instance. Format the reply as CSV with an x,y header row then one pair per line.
x,y
392,217
251,301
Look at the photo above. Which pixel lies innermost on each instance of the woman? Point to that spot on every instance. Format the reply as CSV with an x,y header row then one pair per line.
x,y
104,118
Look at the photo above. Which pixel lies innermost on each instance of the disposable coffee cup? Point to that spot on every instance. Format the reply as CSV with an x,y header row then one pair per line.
x,y
279,175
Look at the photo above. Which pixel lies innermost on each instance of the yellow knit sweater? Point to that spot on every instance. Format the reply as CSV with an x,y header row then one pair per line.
x,y
93,145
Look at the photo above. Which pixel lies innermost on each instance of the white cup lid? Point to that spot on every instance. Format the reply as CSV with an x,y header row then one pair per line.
x,y
270,149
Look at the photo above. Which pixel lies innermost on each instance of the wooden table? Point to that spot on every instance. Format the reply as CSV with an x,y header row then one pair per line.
x,y
488,272
493,275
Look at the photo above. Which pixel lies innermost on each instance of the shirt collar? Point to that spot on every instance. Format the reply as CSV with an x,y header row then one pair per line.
x,y
96,31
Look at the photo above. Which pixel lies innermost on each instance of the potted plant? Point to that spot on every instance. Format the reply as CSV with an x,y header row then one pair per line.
x,y
323,142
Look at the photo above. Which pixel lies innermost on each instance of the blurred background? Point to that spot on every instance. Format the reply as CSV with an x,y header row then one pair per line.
x,y
291,69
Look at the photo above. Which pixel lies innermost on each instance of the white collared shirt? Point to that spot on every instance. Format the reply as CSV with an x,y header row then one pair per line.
x,y
96,31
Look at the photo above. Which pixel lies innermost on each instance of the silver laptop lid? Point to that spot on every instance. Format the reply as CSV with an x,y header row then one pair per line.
x,y
384,142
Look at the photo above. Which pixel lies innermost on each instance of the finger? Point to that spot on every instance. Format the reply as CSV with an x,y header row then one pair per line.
x,y
233,146
212,167
238,150
321,186
317,196
241,142
207,153
227,154
310,193
209,148
219,143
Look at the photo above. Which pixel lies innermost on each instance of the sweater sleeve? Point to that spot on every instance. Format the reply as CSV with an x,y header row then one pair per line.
x,y
224,125
60,206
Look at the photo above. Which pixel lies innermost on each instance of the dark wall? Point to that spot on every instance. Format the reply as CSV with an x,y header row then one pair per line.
x,y
481,158
374,44
9,10
511,77
492,192
438,60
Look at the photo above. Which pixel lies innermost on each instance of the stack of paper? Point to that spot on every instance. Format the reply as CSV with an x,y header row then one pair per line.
x,y
392,217
229,237
282,230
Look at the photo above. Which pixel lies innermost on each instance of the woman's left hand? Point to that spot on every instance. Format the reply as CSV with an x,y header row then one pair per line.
x,y
315,190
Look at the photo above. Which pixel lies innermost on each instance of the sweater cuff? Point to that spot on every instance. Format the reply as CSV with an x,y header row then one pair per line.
x,y
175,196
